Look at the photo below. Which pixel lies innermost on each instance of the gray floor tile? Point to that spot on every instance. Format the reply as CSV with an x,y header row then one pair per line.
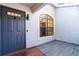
x,y
58,48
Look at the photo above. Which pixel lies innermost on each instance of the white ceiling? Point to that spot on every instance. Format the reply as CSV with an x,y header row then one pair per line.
x,y
34,6
65,4
31,4
28,4
55,4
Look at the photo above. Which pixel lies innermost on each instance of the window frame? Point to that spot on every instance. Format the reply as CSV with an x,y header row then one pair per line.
x,y
51,18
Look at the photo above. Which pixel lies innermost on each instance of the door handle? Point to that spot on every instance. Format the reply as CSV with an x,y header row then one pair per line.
x,y
14,17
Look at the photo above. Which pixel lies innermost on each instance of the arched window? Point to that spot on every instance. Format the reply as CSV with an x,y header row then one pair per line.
x,y
46,25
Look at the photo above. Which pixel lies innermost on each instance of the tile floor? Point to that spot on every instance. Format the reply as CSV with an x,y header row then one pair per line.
x,y
27,52
59,48
34,52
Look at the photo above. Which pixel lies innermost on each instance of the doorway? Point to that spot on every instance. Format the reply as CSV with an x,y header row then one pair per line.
x,y
12,30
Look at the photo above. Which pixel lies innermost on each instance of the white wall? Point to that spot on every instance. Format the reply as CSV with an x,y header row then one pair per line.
x,y
33,35
67,24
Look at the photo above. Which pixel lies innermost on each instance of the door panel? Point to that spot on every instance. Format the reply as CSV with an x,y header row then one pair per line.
x,y
0,30
20,30
5,47
13,31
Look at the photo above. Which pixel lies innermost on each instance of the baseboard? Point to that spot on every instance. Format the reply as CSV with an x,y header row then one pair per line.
x,y
67,42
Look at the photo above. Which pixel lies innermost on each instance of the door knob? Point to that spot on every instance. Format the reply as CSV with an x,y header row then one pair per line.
x,y
14,17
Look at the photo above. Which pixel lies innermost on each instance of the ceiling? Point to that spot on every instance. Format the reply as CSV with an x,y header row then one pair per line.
x,y
65,4
29,4
34,6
